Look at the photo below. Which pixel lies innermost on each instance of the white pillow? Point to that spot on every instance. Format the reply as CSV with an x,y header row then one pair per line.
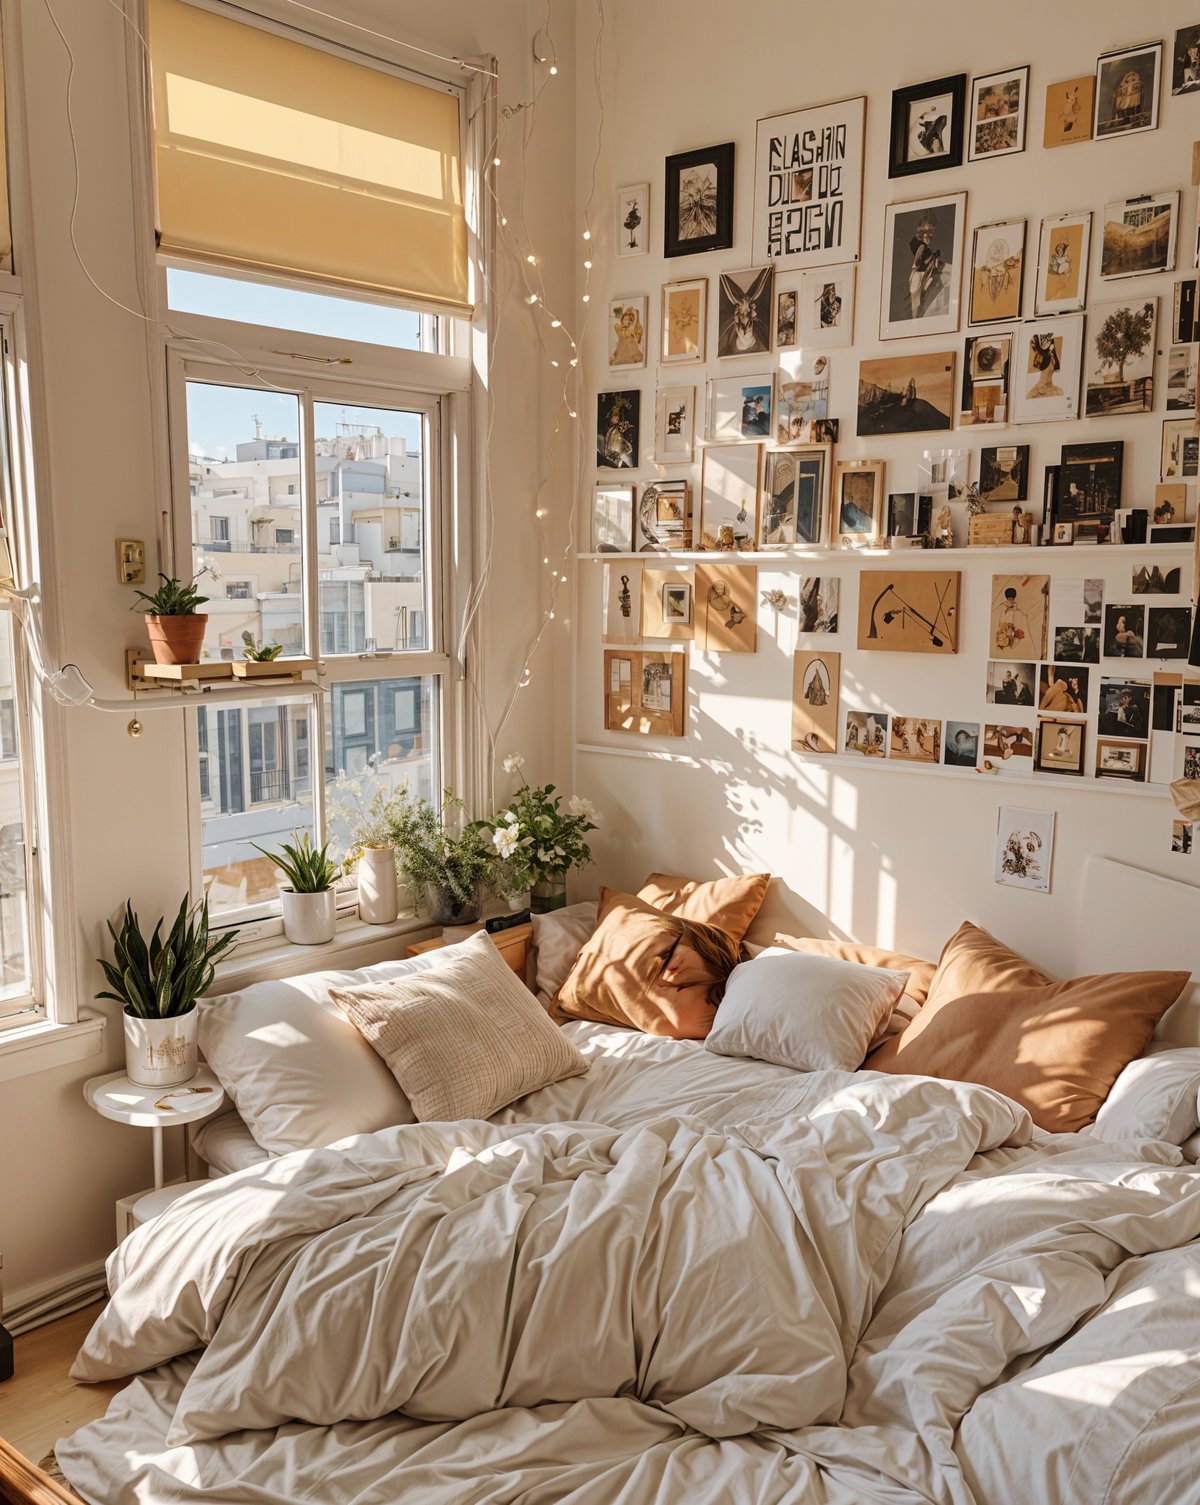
x,y
558,939
1155,1097
298,1071
799,1009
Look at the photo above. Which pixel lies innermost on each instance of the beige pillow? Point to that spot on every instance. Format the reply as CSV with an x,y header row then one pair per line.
x,y
729,904
558,938
465,1040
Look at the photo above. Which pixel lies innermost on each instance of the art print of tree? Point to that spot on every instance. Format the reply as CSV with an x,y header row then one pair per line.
x,y
1124,334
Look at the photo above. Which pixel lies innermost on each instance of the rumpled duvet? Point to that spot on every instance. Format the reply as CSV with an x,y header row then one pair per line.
x,y
795,1294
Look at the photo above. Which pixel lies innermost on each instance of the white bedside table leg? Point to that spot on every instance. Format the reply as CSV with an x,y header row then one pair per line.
x,y
158,1155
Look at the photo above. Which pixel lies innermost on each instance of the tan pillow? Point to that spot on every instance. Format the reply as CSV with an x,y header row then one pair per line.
x,y
728,903
464,1040
1054,1047
616,975
920,974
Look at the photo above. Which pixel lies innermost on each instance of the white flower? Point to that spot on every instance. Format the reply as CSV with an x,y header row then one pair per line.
x,y
505,841
577,805
514,763
511,818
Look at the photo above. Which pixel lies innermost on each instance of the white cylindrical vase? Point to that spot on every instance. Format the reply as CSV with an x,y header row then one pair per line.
x,y
161,1052
308,919
378,896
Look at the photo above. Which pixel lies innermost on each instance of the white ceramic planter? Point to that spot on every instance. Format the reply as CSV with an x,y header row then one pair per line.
x,y
161,1052
378,898
308,919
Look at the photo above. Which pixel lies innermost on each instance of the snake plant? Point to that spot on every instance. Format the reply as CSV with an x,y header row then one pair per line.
x,y
163,978
307,867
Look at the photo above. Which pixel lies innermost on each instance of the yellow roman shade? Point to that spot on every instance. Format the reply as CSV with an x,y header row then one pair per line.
x,y
273,156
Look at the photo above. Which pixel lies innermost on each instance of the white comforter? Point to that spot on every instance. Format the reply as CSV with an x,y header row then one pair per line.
x,y
742,1303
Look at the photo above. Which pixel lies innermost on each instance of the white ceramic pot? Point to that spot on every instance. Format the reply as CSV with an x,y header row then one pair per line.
x,y
378,899
161,1052
308,919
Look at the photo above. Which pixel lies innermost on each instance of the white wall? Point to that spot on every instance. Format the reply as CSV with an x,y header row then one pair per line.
x,y
61,1167
885,855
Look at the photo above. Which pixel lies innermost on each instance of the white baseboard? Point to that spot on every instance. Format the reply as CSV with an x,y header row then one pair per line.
x,y
47,1300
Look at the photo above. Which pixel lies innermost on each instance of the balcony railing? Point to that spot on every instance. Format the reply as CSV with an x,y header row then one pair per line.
x,y
269,784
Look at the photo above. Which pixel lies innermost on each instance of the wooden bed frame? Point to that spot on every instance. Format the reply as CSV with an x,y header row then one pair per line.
x,y
23,1483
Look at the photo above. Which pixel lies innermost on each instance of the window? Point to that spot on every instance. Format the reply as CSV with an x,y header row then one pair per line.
x,y
218,529
238,590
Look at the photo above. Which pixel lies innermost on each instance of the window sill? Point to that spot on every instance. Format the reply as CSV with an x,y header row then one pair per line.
x,y
356,944
43,1045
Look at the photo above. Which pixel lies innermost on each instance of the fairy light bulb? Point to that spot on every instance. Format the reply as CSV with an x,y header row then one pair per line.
x,y
533,297
553,68
532,260
587,297
574,363
555,323
587,266
495,161
587,235
571,413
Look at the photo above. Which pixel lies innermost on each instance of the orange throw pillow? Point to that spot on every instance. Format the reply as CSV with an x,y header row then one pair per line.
x,y
728,903
615,979
1054,1047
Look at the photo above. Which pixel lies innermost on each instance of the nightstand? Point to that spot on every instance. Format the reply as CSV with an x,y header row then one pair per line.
x,y
513,945
156,1108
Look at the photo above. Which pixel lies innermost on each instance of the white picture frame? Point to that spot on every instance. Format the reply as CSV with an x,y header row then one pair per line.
x,y
740,408
922,266
730,478
612,518
808,184
1045,370
1064,245
628,332
827,308
632,201
674,425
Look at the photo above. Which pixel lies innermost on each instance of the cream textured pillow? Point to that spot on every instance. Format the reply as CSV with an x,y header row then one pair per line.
x,y
465,1040
558,938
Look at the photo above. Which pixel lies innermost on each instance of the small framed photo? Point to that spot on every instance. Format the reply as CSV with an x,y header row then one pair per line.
x,y
795,497
997,272
1059,746
802,403
1181,378
1070,106
1120,760
1185,61
787,318
1089,484
1180,458
730,476
612,519
745,312
857,503
997,114
867,733
684,320
1046,366
1120,362
633,220
1004,473
827,308
1170,503
927,126
699,201
739,407
1063,245
1139,235
677,604
627,332
664,514
1064,533
674,425
1127,83
618,430
909,514
922,266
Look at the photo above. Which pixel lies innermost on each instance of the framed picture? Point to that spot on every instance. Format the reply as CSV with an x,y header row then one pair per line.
x,y
729,489
1127,90
1063,689
745,308
1124,709
857,502
645,693
1124,632
906,394
1171,503
1185,61
1181,379
820,597
1076,645
1019,627
910,611
922,266
666,604
664,516
827,308
726,608
1120,760
622,602
944,473
1168,631
618,430
739,407
1024,848
1089,484
1180,450
927,126
1045,370
867,733
997,115
802,403
1153,580
808,168
997,272
961,744
1139,235
677,604
699,201
684,319
627,319
1064,533
612,519
909,514
1063,244
632,237
1185,312
674,425
1059,746
1070,106
787,318
795,497
1120,361
984,395
816,683
916,741
1004,473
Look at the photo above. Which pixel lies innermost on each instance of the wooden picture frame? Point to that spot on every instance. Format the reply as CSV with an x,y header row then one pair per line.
x,y
698,201
684,321
908,611
645,692
850,506
927,126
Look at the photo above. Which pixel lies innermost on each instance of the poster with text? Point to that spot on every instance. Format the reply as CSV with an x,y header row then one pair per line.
x,y
808,186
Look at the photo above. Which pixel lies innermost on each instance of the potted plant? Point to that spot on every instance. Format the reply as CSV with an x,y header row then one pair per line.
x,y
370,852
451,871
157,985
176,629
539,841
259,653
307,899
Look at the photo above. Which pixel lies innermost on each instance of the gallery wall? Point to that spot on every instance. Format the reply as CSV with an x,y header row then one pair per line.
x,y
867,848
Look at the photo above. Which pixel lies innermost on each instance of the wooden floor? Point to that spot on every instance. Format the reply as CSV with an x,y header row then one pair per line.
x,y
41,1403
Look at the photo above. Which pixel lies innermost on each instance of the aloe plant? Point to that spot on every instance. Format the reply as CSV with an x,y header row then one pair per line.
x,y
307,867
162,979
173,598
260,653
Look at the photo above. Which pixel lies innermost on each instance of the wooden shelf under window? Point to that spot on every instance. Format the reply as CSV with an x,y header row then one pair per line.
x,y
142,674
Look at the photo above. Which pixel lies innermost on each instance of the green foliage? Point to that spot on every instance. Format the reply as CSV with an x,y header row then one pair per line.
x,y
1125,333
427,852
307,867
535,837
259,653
173,598
163,979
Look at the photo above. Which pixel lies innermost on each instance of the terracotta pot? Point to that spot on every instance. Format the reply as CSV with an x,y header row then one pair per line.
x,y
177,640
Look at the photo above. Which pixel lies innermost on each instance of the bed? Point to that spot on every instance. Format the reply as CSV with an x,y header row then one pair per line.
x,y
679,1276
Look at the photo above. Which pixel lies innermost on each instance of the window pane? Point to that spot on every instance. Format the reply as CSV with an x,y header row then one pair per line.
x,y
379,734
371,529
286,308
255,786
244,472
14,917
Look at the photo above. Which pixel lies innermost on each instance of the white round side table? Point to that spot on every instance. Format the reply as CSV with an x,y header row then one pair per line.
x,y
156,1108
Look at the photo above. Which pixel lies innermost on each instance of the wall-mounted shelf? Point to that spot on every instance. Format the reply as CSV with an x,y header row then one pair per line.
x,y
144,676
782,557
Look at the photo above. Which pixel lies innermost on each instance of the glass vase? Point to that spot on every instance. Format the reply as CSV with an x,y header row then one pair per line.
x,y
548,895
444,907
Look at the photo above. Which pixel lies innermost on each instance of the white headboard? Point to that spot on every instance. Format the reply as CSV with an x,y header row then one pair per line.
x,y
1132,921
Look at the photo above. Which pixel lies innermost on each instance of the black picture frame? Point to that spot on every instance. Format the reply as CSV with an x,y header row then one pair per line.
x,y
675,243
900,163
1089,484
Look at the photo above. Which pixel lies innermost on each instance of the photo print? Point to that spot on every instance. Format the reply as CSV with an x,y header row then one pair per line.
x,y
818,606
1185,61
909,514
1180,449
612,519
664,513
1070,108
1185,311
1139,236
745,306
1171,502
1020,616
1059,746
1010,683
1024,848
906,394
1127,90
1120,364
1004,473
922,266
627,332
1191,763
667,603
927,126
815,690
1120,760
645,693
674,425
1077,645
867,733
962,744
1007,750
786,319
827,308
622,602
1181,837
997,114
699,201
908,611
739,407
808,169
857,502
684,316
984,396
1181,379
726,609
618,430
729,491
1089,485
1045,376
1124,632
633,220
802,403
1153,580
1168,631
944,473
916,741
1079,600
1124,709
1063,244
795,497
1063,689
